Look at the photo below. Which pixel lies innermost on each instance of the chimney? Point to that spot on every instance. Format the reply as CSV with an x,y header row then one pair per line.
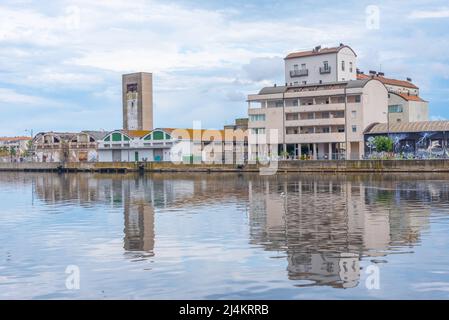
x,y
317,49
372,72
341,44
409,79
275,85
381,74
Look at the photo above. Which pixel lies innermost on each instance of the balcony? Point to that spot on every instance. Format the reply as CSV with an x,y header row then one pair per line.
x,y
324,70
299,73
317,122
315,137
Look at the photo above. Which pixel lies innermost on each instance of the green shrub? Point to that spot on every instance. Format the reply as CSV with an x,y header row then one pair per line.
x,y
383,144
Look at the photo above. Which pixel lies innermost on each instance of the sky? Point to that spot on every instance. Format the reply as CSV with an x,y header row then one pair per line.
x,y
61,61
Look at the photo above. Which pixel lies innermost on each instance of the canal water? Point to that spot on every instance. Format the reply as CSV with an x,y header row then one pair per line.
x,y
224,236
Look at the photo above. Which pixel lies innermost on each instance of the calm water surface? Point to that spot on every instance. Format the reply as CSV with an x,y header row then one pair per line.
x,y
224,236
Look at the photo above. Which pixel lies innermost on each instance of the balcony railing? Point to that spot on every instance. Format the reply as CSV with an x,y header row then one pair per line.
x,y
324,70
299,73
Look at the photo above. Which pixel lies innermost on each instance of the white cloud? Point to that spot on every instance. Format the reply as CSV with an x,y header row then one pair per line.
x,y
9,96
429,14
50,77
204,59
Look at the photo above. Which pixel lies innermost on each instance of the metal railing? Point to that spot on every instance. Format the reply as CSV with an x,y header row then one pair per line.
x,y
324,70
299,73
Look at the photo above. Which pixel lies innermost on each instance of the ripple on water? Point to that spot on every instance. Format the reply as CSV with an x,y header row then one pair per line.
x,y
223,236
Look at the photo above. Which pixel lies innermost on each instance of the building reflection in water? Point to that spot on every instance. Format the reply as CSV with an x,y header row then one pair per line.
x,y
118,191
327,225
139,196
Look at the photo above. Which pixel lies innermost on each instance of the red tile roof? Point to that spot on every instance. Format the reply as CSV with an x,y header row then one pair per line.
x,y
14,138
309,53
392,82
410,98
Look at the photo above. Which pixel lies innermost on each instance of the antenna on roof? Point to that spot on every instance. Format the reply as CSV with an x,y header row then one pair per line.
x,y
341,44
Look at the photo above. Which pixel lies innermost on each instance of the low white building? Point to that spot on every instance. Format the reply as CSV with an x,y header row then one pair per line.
x,y
168,144
66,146
13,148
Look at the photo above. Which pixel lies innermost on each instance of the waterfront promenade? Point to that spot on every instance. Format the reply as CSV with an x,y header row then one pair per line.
x,y
435,165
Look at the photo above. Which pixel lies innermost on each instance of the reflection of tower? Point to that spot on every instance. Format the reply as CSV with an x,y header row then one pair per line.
x,y
137,91
139,227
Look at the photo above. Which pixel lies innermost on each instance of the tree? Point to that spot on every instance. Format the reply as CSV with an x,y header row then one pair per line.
x,y
383,144
12,152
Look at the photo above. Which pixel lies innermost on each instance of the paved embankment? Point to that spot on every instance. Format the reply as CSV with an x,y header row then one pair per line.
x,y
283,166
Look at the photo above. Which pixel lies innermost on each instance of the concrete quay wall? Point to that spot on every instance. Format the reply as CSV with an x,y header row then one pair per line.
x,y
436,165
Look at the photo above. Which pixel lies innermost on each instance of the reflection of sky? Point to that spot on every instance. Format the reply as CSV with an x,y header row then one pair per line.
x,y
202,248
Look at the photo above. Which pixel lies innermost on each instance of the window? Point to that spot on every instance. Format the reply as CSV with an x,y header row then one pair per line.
x,y
339,114
295,67
279,104
354,128
326,130
292,130
307,130
258,130
350,66
116,137
341,129
326,65
353,114
257,117
310,115
158,135
395,108
304,82
295,103
342,65
354,99
291,116
303,66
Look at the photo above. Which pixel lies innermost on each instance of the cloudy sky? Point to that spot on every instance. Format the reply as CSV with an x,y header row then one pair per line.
x,y
61,61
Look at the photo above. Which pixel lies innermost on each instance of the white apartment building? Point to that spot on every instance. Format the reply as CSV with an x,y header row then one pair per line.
x,y
315,121
322,116
321,65
405,104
